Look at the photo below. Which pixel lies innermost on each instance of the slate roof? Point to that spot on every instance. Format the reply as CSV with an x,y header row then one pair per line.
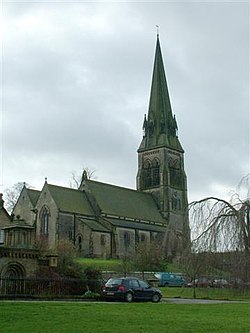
x,y
124,202
94,225
136,225
70,200
33,195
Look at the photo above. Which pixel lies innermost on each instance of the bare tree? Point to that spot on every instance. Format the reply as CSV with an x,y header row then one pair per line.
x,y
148,256
66,253
76,178
194,265
12,194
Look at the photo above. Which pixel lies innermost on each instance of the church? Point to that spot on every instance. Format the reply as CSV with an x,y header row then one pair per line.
x,y
108,221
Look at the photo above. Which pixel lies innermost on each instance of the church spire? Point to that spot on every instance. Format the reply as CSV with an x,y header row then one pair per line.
x,y
160,127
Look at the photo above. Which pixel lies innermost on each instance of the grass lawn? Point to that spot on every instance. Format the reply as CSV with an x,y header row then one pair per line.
x,y
101,264
208,293
113,264
44,317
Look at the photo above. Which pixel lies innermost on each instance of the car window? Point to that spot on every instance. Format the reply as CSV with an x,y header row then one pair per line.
x,y
112,282
143,284
134,284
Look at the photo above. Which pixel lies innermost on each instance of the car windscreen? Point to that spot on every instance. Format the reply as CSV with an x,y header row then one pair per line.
x,y
114,282
158,275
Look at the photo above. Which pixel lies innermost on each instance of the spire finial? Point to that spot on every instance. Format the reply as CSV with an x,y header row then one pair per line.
x,y
157,30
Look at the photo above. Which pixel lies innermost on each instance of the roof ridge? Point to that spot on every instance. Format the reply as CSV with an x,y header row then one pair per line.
x,y
64,187
32,189
117,186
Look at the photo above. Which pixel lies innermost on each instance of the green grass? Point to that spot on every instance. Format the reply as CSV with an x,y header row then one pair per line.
x,y
101,264
113,264
207,293
44,317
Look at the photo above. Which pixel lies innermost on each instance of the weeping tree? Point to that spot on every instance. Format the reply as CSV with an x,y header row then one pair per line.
x,y
222,228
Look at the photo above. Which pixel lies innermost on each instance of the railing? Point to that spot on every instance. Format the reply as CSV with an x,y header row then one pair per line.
x,y
45,287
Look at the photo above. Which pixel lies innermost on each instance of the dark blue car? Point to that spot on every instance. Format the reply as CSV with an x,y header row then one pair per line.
x,y
129,289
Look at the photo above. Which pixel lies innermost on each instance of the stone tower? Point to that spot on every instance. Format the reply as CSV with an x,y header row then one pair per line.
x,y
161,156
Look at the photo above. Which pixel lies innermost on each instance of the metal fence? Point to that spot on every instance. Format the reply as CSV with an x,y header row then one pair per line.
x,y
45,287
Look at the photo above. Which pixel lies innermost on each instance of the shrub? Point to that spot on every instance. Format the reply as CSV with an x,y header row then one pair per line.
x,y
94,279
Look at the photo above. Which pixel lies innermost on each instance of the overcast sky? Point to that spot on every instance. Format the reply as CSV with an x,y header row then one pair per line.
x,y
76,79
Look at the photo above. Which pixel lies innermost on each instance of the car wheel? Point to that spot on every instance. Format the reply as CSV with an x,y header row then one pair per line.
x,y
129,297
156,298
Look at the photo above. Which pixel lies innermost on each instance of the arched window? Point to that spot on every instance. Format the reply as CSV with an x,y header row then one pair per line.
x,y
151,173
143,238
126,237
147,178
79,242
155,172
44,217
176,178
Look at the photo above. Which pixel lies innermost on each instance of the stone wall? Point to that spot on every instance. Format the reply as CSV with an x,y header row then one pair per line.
x,y
18,261
24,208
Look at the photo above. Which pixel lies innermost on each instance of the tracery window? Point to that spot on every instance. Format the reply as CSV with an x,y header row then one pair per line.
x,y
155,172
44,217
151,173
147,179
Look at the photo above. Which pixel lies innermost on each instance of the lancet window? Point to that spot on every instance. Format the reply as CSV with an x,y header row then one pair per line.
x,y
176,178
44,217
151,173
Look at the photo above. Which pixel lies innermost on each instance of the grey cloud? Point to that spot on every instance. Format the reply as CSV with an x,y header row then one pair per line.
x,y
77,87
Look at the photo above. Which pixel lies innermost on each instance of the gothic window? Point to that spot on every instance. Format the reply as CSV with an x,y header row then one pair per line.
x,y
44,217
155,172
143,238
147,177
176,178
151,173
103,240
126,237
79,242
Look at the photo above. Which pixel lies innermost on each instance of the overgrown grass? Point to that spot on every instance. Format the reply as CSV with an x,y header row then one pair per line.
x,y
53,317
207,293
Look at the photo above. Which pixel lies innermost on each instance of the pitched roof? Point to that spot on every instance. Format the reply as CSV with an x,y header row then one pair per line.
x,y
136,225
94,225
119,201
33,195
70,200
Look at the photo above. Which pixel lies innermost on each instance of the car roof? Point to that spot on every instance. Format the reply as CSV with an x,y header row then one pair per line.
x,y
126,277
